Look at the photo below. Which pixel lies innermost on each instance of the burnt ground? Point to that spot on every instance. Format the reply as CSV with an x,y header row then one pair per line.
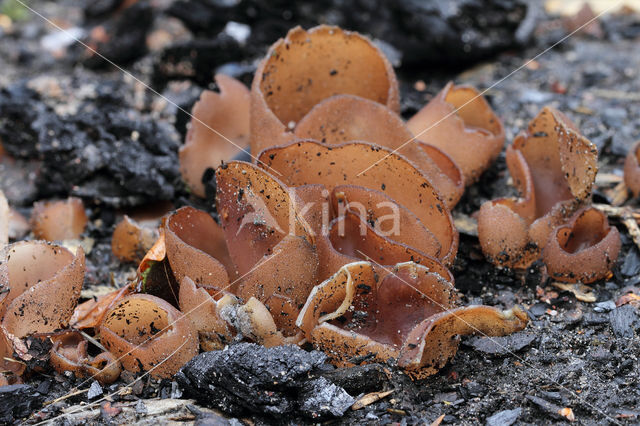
x,y
573,354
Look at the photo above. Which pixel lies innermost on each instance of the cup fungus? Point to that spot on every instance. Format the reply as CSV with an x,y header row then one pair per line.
x,y
131,239
554,168
306,67
146,333
461,123
583,250
408,313
228,113
44,282
58,220
345,118
311,162
69,353
632,170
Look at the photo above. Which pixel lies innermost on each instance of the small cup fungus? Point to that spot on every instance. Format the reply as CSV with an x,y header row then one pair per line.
x,y
58,220
583,250
461,123
408,313
554,168
306,67
69,353
227,113
147,333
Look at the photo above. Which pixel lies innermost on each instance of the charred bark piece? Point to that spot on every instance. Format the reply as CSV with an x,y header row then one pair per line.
x,y
250,378
17,401
103,149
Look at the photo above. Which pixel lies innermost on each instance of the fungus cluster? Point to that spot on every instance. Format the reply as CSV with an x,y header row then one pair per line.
x,y
553,167
339,233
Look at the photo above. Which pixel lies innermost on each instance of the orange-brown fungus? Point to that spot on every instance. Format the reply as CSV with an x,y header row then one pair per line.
x,y
311,162
554,168
345,118
583,250
257,211
44,283
131,240
632,170
147,333
206,311
215,114
69,353
58,220
89,314
406,313
196,248
307,67
461,123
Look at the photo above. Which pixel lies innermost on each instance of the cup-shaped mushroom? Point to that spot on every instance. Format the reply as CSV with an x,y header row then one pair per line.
x,y
461,123
69,353
148,334
131,239
256,211
409,314
196,248
290,271
584,250
44,282
58,220
358,312
554,168
433,342
385,216
369,166
207,312
306,67
355,239
632,170
345,118
218,132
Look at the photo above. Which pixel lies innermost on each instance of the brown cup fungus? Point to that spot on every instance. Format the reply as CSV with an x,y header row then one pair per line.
x,y
307,67
58,220
584,250
219,131
554,168
40,285
69,353
131,239
632,170
461,123
311,162
148,334
408,313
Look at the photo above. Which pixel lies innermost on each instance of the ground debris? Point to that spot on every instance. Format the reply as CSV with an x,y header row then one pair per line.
x,y
250,378
17,401
623,320
98,147
370,398
500,346
504,418
552,409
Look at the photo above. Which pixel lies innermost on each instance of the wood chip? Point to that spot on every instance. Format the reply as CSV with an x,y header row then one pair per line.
x,y
583,292
437,421
370,398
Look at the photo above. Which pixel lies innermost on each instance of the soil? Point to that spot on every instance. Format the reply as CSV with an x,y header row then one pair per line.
x,y
574,354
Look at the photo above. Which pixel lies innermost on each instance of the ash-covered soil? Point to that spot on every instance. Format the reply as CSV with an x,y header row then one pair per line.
x,y
574,354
